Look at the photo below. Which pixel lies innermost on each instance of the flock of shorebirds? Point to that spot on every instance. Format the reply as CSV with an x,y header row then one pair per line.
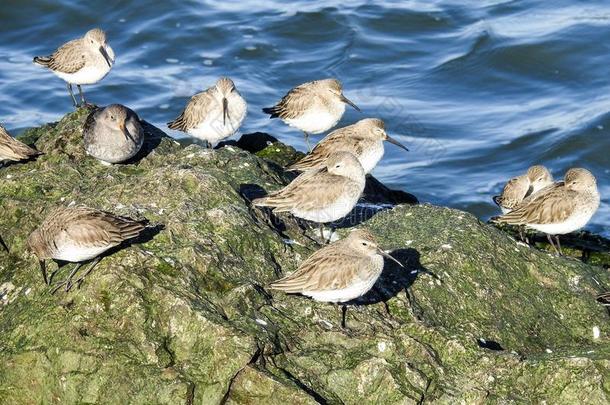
x,y
331,182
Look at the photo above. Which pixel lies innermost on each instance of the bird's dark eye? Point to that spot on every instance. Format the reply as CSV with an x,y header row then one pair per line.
x,y
112,117
364,243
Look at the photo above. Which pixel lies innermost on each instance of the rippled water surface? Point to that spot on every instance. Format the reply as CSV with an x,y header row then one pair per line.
x,y
479,90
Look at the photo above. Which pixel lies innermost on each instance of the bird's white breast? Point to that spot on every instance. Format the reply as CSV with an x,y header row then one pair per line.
x,y
71,252
335,210
89,74
371,156
213,128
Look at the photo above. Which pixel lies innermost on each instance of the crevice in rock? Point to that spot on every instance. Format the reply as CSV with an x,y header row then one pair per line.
x,y
252,361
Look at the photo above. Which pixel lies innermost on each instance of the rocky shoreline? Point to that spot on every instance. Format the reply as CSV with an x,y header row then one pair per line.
x,y
182,315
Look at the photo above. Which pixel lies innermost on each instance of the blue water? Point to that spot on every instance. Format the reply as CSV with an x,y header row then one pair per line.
x,y
479,90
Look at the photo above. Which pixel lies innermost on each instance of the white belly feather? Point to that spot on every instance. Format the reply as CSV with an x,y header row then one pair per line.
x,y
89,74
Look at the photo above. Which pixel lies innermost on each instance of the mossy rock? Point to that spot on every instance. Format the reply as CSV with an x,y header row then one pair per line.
x,y
183,316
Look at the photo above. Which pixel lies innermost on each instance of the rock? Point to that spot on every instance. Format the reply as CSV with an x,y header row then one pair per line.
x,y
184,317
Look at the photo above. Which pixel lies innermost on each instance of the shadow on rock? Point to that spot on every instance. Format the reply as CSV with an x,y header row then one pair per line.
x,y
253,143
152,138
394,278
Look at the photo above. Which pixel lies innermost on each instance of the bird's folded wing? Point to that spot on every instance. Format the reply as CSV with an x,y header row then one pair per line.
x,y
69,58
323,271
552,207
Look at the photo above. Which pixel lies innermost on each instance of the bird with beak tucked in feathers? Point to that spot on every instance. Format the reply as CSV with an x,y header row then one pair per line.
x,y
312,107
85,60
214,114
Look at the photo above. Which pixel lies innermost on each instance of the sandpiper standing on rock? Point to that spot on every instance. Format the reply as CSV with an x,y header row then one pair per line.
x,y
85,60
77,235
321,195
214,114
13,150
560,208
312,107
113,134
364,139
339,272
520,187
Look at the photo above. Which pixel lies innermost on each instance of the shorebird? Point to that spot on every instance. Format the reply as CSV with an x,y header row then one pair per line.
x,y
560,208
321,195
312,107
364,139
85,60
13,150
516,189
213,114
77,235
339,272
113,134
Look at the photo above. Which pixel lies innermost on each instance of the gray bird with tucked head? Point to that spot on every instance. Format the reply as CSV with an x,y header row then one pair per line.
x,y
113,134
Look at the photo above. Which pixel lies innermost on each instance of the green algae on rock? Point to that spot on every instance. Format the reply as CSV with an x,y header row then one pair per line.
x,y
185,318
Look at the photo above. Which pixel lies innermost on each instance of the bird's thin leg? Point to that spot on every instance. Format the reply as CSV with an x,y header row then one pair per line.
x,y
550,238
93,264
72,95
343,315
3,244
82,96
322,233
558,245
68,281
43,270
307,141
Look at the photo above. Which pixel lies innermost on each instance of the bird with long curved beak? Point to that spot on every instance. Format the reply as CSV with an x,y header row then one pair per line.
x,y
347,101
339,272
107,57
364,139
124,130
85,60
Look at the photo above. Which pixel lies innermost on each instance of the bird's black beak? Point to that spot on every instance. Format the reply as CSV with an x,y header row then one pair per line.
x,y
125,132
105,55
395,142
43,270
384,254
225,110
347,101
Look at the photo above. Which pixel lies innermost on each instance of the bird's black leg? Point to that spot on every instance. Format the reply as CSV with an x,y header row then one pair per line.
x,y
558,245
93,264
307,141
343,315
550,239
72,95
68,281
82,96
43,270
